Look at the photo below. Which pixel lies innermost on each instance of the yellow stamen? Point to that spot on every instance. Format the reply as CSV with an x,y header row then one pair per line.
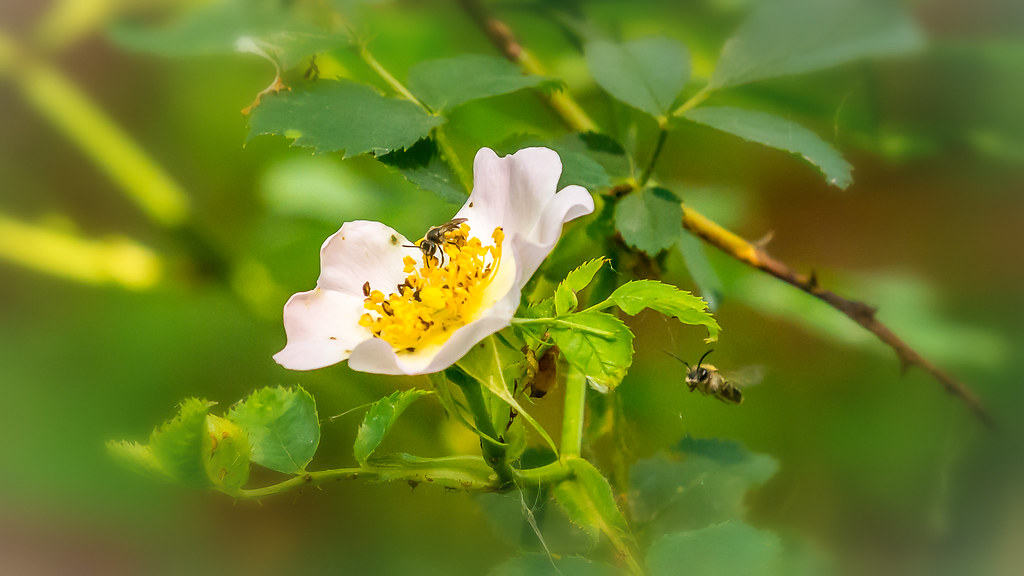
x,y
435,300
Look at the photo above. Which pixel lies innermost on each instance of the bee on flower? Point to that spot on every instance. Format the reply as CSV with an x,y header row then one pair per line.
x,y
389,306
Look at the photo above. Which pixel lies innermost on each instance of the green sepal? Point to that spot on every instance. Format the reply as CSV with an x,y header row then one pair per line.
x,y
488,363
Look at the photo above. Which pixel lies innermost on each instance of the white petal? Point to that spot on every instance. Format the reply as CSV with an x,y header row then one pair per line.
x,y
512,191
532,247
322,328
364,251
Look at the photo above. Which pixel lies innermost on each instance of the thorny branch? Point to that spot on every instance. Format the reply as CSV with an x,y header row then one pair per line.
x,y
712,233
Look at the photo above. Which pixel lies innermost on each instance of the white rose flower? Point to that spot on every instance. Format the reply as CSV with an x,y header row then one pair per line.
x,y
389,308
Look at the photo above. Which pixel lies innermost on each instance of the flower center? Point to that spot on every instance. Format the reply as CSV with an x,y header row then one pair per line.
x,y
435,300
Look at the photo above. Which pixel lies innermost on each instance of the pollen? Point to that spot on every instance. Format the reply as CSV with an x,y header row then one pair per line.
x,y
435,300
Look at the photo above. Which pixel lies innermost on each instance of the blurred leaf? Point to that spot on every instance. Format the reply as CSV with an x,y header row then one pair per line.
x,y
633,297
227,451
701,482
544,565
447,83
597,344
422,165
784,37
283,427
136,457
287,49
780,133
648,74
700,269
318,188
378,420
341,116
578,279
230,26
178,444
728,548
588,501
650,219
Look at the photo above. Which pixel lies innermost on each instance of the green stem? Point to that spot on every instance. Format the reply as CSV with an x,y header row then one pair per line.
x,y
544,475
494,454
572,416
563,322
466,473
448,155
393,82
694,101
662,135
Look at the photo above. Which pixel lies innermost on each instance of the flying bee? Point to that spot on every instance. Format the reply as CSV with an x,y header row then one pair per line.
x,y
707,380
435,239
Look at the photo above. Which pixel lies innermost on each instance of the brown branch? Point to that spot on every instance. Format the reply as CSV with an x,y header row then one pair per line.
x,y
857,311
712,233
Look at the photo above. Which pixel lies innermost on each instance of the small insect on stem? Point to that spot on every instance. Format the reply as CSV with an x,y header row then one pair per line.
x,y
435,239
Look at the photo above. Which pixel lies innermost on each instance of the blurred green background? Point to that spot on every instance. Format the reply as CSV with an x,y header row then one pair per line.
x,y
109,318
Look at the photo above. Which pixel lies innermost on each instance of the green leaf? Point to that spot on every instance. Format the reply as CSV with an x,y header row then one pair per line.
x,y
282,425
178,444
632,297
597,344
494,364
728,548
578,279
226,448
422,165
447,83
701,482
588,501
378,421
784,37
544,565
650,219
648,74
341,116
137,457
770,130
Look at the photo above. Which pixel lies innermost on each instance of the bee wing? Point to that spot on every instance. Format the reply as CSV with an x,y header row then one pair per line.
x,y
745,377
